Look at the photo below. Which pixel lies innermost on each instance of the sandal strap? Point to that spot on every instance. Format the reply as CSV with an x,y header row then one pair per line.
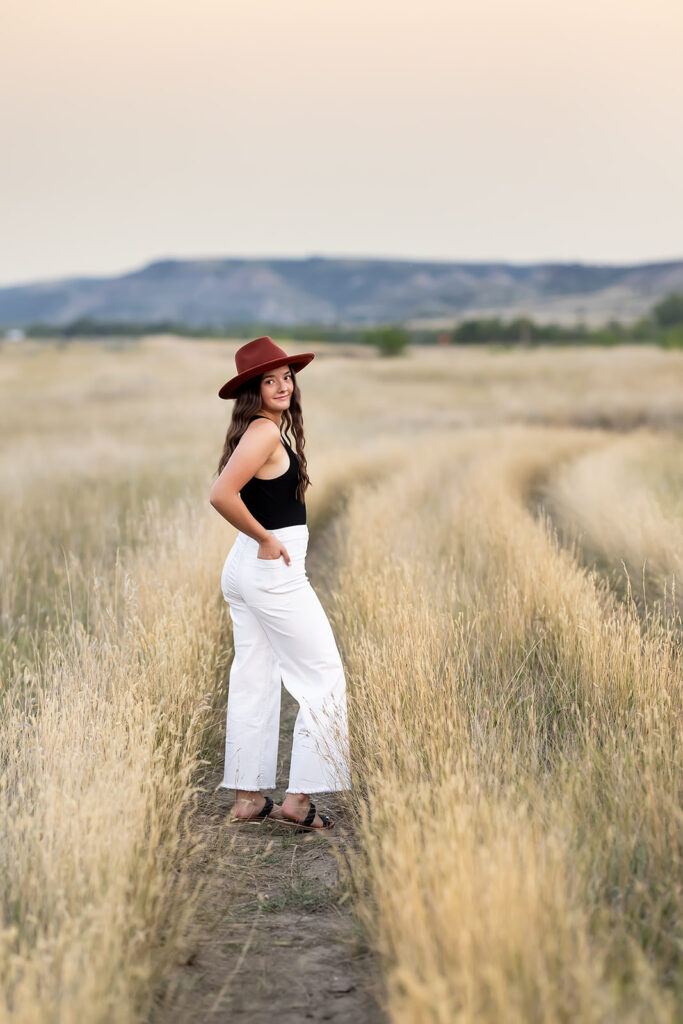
x,y
266,809
308,820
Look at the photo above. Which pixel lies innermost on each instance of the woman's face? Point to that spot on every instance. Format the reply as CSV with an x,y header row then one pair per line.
x,y
276,389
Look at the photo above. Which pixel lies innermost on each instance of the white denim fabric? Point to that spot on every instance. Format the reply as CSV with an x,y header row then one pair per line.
x,y
281,633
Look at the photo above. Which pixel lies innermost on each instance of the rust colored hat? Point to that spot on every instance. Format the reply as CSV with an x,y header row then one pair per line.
x,y
256,357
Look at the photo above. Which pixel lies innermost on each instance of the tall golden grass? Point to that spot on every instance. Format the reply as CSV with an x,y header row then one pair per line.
x,y
101,734
113,656
114,646
515,711
517,750
622,506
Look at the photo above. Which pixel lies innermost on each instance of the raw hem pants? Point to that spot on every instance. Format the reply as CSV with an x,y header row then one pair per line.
x,y
282,634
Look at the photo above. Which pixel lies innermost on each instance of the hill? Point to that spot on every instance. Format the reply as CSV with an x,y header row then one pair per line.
x,y
317,290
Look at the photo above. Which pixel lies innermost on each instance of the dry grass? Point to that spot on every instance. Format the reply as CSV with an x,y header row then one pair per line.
x,y
515,715
517,751
101,733
622,507
114,644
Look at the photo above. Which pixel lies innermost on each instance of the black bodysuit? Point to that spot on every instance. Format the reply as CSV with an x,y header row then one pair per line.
x,y
274,502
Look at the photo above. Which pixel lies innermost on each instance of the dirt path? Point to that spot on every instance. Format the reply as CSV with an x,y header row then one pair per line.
x,y
276,938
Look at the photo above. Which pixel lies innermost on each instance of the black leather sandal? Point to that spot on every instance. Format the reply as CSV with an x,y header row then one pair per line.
x,y
262,814
307,824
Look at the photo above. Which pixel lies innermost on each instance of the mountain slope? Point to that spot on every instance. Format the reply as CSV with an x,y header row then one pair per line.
x,y
214,292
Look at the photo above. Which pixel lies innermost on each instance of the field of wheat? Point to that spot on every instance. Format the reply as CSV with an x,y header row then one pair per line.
x,y
506,591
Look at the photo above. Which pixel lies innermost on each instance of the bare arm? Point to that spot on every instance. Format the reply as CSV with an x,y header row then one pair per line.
x,y
255,446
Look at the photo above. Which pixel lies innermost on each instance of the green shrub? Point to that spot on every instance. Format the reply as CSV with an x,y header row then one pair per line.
x,y
672,337
390,341
670,310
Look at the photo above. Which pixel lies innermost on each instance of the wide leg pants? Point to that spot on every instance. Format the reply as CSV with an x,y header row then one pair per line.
x,y
282,634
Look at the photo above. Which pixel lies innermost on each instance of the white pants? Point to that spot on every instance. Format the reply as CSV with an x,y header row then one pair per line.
x,y
282,634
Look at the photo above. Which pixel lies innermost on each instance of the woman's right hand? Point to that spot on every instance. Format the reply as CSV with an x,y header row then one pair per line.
x,y
272,548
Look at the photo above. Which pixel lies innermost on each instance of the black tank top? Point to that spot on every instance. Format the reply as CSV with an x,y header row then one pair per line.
x,y
274,502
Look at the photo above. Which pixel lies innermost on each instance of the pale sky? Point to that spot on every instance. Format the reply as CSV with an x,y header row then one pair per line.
x,y
521,130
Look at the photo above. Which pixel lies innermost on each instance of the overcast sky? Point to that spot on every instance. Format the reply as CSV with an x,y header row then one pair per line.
x,y
488,130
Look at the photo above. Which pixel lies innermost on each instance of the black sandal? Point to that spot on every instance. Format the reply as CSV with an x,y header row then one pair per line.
x,y
307,823
263,813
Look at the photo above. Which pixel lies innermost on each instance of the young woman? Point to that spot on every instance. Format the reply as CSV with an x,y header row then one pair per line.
x,y
281,631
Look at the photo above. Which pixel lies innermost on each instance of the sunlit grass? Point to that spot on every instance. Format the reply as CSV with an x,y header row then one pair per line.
x,y
514,715
517,753
622,505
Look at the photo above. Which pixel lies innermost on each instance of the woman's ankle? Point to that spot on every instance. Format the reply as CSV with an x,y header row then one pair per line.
x,y
247,794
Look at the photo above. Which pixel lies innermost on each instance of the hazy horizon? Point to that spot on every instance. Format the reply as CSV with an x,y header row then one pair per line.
x,y
366,129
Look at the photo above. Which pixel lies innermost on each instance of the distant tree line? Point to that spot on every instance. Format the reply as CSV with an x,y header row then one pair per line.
x,y
663,326
91,327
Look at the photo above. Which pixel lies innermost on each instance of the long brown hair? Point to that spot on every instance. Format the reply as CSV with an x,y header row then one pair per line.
x,y
247,403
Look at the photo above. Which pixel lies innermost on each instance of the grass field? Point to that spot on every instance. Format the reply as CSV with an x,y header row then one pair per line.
x,y
506,590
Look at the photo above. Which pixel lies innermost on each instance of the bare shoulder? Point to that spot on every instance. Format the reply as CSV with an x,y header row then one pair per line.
x,y
262,427
261,432
263,423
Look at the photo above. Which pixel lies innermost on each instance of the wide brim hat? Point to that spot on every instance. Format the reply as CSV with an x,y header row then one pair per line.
x,y
258,356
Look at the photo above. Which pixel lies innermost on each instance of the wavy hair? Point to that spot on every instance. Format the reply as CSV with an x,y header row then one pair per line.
x,y
247,403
